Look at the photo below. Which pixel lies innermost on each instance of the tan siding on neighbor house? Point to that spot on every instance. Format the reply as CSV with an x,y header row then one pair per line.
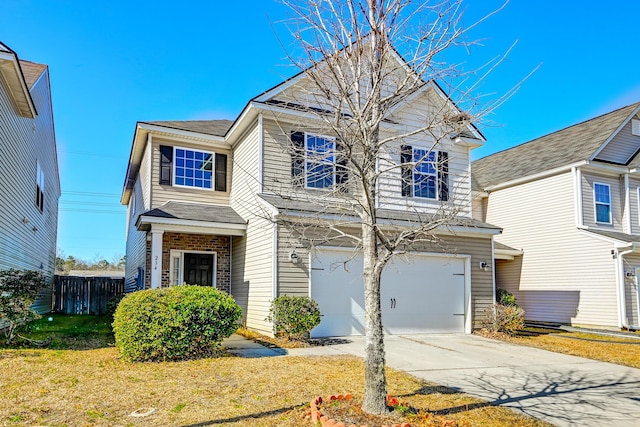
x,y
616,187
478,208
161,194
634,205
252,255
28,236
565,274
621,147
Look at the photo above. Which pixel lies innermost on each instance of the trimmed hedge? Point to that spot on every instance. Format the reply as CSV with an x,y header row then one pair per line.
x,y
294,316
176,323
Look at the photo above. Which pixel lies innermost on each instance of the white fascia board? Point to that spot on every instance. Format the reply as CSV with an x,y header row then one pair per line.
x,y
289,114
197,227
469,142
617,244
15,78
598,166
137,150
534,177
608,140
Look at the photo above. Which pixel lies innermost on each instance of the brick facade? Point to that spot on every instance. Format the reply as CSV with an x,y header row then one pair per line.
x,y
221,245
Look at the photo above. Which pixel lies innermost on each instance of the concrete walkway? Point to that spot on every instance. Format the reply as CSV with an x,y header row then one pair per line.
x,y
563,390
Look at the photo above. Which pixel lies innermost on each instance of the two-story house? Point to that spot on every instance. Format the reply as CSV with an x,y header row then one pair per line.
x,y
29,180
568,203
249,206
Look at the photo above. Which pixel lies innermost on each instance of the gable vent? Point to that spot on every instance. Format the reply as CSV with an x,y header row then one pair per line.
x,y
635,127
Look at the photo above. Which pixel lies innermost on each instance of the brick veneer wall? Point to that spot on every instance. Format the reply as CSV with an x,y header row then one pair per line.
x,y
221,245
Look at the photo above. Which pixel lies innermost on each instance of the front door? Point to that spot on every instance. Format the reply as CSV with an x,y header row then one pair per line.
x,y
198,269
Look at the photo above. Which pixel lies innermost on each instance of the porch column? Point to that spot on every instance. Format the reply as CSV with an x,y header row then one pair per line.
x,y
156,258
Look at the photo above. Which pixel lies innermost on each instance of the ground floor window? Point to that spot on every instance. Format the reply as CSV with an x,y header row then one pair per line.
x,y
193,268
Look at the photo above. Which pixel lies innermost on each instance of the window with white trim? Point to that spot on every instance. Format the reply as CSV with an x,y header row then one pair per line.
x,y
193,168
39,187
602,197
320,161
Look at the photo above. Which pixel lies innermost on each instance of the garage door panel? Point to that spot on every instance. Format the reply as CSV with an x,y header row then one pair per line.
x,y
419,294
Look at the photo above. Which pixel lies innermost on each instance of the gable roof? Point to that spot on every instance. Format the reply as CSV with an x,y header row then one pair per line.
x,y
209,127
561,148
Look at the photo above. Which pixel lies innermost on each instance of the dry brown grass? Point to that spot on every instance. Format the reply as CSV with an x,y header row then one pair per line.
x,y
621,351
95,388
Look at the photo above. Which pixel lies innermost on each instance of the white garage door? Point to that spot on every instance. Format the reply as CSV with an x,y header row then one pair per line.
x,y
420,294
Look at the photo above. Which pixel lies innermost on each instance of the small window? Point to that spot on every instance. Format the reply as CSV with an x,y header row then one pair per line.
x,y
39,187
320,161
602,195
193,168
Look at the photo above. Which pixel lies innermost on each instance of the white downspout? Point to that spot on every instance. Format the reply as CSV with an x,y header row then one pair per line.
x,y
627,202
620,277
577,175
260,154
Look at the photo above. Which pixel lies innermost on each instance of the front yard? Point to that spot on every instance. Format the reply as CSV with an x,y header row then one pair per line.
x,y
88,386
612,349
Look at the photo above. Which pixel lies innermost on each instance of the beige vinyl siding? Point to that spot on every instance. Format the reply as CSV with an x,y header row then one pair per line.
x,y
410,118
277,176
293,279
136,249
632,264
252,255
28,236
634,205
161,194
616,187
478,208
565,274
622,146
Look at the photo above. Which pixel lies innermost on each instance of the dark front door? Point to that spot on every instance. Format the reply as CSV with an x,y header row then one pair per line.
x,y
198,269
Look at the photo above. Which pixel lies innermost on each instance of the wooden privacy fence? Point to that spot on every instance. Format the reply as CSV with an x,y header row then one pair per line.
x,y
85,295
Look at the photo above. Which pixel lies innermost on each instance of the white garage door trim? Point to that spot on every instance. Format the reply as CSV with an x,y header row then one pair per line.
x,y
464,257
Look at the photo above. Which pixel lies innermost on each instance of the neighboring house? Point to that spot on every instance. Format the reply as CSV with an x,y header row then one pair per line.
x,y
29,181
568,203
207,201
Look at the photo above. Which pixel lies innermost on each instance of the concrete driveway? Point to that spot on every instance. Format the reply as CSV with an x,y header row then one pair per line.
x,y
563,390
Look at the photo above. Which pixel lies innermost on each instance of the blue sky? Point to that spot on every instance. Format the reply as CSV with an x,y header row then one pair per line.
x,y
114,63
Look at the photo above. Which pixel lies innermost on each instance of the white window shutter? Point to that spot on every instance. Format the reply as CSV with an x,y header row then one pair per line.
x,y
635,127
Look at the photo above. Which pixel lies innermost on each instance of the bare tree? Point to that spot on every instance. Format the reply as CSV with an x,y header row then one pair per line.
x,y
362,59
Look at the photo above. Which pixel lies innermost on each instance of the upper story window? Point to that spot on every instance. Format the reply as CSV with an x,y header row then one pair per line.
x,y
189,167
425,173
602,196
316,162
39,187
320,161
193,168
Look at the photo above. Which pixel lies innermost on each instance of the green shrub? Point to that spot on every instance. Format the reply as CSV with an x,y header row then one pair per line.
x,y
503,318
294,316
18,291
177,323
505,297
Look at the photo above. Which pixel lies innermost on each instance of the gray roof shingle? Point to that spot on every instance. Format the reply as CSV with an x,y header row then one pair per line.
x,y
209,127
570,145
623,237
196,212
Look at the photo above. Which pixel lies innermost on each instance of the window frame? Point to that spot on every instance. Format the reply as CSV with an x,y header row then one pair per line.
x,y
414,172
325,162
178,254
596,203
175,167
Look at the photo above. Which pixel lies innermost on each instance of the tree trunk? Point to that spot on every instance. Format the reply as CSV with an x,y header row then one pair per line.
x,y
375,392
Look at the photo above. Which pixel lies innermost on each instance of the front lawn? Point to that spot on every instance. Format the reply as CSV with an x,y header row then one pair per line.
x,y
93,387
612,349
